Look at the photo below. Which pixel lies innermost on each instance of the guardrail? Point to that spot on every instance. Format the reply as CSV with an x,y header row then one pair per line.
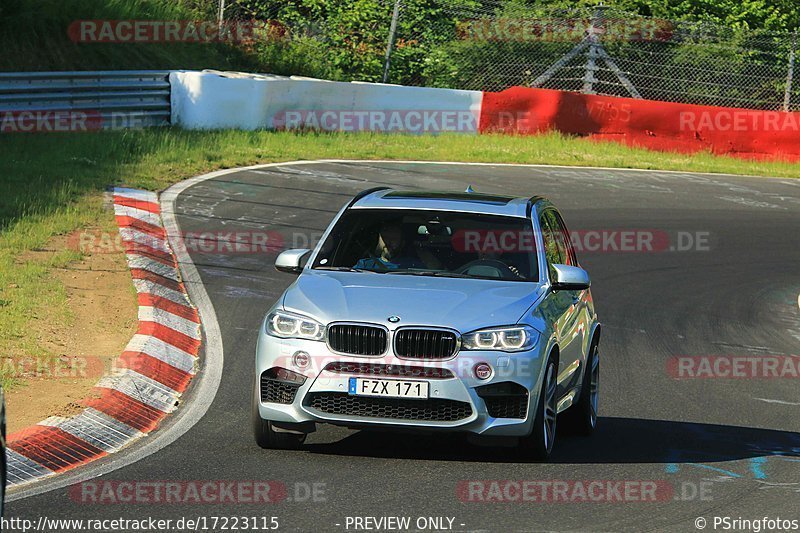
x,y
120,99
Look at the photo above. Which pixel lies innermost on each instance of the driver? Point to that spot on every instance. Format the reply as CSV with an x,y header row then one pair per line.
x,y
490,263
389,251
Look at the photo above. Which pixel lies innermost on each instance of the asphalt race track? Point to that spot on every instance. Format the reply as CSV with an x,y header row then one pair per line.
x,y
726,447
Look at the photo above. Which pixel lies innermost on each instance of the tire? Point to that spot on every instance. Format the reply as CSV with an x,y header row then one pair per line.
x,y
267,438
539,444
583,415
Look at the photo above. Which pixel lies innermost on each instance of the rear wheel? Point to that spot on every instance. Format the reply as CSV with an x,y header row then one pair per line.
x,y
539,444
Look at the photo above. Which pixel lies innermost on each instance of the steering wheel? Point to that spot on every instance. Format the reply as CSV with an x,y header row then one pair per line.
x,y
489,268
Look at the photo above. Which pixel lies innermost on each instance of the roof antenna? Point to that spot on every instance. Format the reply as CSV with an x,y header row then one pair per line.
x,y
469,189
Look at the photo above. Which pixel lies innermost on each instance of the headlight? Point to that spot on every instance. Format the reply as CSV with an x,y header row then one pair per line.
x,y
504,339
290,326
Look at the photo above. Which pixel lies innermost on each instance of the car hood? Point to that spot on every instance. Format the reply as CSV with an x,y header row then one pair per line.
x,y
463,304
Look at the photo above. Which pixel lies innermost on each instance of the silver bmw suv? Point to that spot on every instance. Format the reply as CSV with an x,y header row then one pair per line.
x,y
432,311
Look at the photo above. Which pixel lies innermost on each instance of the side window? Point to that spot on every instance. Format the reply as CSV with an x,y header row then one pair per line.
x,y
552,251
557,234
571,258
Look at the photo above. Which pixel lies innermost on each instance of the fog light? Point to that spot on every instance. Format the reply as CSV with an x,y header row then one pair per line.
x,y
301,359
483,371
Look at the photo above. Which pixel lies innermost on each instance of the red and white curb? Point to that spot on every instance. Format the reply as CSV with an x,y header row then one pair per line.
x,y
157,364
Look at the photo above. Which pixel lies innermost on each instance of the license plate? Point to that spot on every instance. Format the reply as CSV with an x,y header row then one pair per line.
x,y
388,388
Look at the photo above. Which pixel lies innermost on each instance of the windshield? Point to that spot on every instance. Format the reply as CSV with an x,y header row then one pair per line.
x,y
431,243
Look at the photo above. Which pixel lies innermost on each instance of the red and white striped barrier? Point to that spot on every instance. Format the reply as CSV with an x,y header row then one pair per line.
x,y
157,364
214,100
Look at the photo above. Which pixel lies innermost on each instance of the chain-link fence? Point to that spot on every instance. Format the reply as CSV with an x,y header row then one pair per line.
x,y
492,45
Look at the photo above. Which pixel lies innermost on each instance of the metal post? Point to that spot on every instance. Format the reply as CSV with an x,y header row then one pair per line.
x,y
558,65
594,47
596,53
623,79
221,15
591,67
787,97
390,44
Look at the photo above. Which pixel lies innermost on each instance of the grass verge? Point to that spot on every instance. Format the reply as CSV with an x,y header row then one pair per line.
x,y
52,185
34,35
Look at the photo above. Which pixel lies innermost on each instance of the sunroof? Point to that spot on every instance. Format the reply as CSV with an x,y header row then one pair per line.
x,y
455,196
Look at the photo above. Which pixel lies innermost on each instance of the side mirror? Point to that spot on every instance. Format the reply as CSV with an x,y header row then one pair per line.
x,y
570,278
292,261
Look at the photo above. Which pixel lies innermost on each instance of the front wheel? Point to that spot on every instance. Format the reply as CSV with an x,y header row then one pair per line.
x,y
583,415
268,437
539,444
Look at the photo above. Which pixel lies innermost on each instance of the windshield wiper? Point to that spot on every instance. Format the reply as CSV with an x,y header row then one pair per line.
x,y
346,269
452,275
433,273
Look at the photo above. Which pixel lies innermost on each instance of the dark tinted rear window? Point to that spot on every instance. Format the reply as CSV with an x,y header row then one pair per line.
x,y
456,196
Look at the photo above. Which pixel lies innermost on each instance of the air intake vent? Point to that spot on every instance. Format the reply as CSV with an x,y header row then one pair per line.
x,y
279,385
438,410
505,399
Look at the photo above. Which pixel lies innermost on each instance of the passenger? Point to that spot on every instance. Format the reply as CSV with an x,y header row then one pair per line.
x,y
390,252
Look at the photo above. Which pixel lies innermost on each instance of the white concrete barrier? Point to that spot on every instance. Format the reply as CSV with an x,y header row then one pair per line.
x,y
217,100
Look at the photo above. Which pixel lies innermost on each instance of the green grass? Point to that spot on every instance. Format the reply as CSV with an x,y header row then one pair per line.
x,y
44,174
52,184
33,36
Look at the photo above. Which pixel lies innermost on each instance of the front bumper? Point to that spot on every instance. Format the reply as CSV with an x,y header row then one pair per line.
x,y
458,402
